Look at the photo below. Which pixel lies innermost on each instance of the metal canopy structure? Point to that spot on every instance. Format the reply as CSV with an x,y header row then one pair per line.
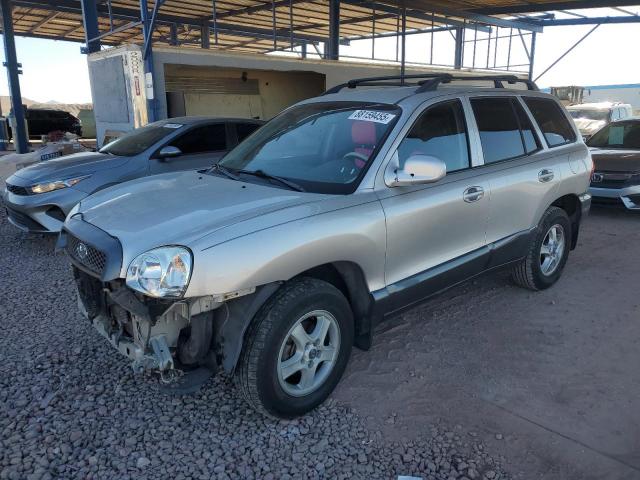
x,y
481,31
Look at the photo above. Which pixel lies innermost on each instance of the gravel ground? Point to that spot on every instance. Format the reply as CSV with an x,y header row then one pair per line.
x,y
70,407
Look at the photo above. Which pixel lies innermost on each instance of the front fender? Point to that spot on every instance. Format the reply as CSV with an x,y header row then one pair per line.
x,y
356,234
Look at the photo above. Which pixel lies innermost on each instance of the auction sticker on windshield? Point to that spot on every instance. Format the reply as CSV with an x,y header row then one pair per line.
x,y
172,125
372,116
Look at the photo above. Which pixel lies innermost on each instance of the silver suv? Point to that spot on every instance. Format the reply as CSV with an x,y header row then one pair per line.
x,y
343,209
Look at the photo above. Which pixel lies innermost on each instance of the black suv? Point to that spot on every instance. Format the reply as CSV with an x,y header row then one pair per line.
x,y
42,121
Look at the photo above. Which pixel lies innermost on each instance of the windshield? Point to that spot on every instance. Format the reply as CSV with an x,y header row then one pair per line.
x,y
324,147
140,139
590,113
617,135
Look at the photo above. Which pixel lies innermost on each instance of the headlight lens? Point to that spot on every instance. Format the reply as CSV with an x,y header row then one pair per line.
x,y
56,185
161,272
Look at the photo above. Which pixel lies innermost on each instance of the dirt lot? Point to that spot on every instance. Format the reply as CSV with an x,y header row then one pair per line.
x,y
485,381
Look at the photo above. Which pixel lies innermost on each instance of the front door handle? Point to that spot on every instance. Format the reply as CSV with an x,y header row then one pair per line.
x,y
545,175
473,194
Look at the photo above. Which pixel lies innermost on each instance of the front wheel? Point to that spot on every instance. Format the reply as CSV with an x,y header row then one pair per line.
x,y
296,349
548,252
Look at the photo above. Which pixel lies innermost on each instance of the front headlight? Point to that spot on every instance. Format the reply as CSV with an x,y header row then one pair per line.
x,y
56,185
161,272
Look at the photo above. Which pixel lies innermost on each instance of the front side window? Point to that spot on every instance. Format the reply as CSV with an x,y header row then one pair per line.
x,y
622,135
324,147
552,122
208,138
136,142
499,129
440,132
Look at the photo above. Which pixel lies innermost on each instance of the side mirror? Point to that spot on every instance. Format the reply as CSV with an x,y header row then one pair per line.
x,y
169,152
418,170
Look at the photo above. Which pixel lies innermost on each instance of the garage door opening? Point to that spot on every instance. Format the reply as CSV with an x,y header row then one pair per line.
x,y
236,92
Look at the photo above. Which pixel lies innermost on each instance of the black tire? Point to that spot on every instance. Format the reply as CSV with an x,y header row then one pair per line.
x,y
256,373
528,272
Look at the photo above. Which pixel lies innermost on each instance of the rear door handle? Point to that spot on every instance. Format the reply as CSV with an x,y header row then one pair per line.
x,y
545,175
473,194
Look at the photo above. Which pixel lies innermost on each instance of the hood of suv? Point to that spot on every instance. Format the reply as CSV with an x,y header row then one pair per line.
x,y
616,160
181,208
70,166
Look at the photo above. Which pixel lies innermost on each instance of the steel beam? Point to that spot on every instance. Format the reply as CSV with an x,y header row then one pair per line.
x,y
333,47
205,33
567,52
532,55
589,21
44,21
13,70
545,7
459,49
147,55
90,22
379,7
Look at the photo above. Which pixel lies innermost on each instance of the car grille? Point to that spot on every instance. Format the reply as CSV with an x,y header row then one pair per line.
x,y
89,257
90,292
614,180
18,190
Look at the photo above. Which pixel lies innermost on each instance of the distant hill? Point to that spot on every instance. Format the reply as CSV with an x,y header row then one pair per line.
x,y
72,108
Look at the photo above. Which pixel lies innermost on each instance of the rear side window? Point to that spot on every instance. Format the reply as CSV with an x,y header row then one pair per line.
x,y
209,138
530,139
552,122
440,132
245,129
499,129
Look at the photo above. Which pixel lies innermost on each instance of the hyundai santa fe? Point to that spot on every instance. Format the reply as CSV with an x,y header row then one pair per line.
x,y
339,212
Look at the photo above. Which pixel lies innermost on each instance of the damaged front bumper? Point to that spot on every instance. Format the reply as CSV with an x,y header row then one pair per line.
x,y
158,336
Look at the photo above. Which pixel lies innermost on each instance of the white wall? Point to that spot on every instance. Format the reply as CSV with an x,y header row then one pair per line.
x,y
614,93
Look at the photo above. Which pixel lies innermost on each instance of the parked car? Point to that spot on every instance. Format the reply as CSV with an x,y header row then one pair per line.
x,y
343,209
616,156
39,197
591,117
42,121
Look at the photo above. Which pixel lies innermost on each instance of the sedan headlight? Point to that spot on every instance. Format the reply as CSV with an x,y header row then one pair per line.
x,y
56,185
161,272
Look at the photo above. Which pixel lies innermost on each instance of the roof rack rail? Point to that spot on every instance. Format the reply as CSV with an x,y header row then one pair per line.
x,y
429,81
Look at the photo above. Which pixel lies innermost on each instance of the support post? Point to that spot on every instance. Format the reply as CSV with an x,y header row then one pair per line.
x,y
147,33
205,41
457,62
13,70
403,58
333,52
532,54
173,34
90,22
303,52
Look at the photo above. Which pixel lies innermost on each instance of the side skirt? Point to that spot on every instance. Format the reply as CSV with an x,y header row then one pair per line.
x,y
421,286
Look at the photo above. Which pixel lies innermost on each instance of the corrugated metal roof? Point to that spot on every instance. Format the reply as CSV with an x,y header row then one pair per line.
x,y
248,25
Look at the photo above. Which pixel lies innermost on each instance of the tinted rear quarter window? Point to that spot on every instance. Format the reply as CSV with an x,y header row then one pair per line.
x,y
499,129
552,122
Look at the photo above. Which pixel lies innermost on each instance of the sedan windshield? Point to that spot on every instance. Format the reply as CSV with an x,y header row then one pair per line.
x,y
590,114
323,147
617,135
139,140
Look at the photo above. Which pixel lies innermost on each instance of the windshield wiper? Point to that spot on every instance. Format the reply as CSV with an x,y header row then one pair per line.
x,y
216,167
284,181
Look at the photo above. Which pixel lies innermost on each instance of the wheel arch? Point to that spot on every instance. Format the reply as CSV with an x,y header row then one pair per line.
x,y
231,321
571,205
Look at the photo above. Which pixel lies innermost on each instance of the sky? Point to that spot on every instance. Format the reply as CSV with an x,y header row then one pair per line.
x,y
55,70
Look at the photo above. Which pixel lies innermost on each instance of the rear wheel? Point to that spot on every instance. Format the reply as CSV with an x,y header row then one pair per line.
x,y
548,252
296,349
